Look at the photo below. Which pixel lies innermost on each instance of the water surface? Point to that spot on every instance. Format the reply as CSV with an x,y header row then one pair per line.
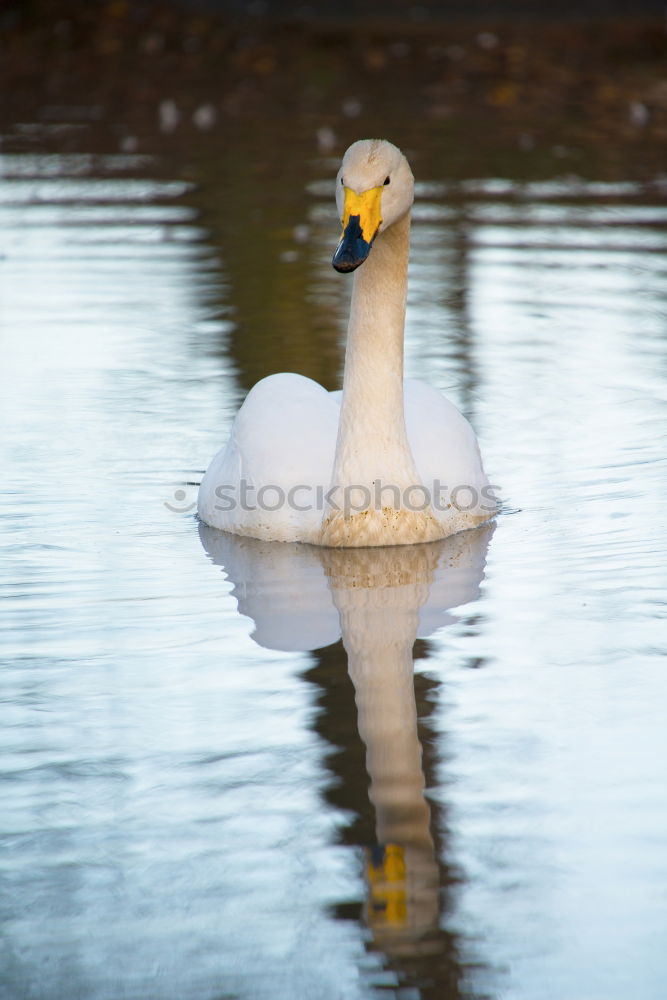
x,y
194,803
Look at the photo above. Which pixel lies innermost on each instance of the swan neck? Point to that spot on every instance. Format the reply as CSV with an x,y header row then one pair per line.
x,y
377,315
372,432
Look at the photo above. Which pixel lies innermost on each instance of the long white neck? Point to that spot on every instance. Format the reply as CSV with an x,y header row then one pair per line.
x,y
372,441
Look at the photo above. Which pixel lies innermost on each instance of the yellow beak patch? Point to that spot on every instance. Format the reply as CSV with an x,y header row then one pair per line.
x,y
367,206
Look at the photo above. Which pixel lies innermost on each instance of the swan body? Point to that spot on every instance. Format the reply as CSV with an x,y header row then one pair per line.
x,y
382,462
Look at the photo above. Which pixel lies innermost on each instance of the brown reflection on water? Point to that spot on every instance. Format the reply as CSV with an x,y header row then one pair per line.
x,y
251,109
378,597
461,331
403,908
556,93
253,198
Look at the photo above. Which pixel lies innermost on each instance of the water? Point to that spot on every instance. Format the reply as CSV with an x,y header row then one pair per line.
x,y
193,805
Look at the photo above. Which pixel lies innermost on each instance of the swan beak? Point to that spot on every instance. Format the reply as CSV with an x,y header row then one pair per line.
x,y
361,221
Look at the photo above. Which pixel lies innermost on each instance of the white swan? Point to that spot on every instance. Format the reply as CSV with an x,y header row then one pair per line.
x,y
385,462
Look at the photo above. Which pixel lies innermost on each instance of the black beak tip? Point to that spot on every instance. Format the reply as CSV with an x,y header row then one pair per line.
x,y
346,262
352,249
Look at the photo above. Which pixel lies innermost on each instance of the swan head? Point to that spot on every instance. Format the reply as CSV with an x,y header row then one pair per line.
x,y
374,188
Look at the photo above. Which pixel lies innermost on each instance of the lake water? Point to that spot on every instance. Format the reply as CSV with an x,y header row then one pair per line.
x,y
223,775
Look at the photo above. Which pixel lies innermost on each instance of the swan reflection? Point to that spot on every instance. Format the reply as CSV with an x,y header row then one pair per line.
x,y
378,601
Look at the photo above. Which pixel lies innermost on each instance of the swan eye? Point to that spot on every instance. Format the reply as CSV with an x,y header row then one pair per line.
x,y
387,180
342,182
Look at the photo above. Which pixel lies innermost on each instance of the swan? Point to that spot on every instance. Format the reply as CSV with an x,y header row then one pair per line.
x,y
385,461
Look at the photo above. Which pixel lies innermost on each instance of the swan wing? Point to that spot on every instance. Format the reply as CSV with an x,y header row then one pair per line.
x,y
267,482
446,453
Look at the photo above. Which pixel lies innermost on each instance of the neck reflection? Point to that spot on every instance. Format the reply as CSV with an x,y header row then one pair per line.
x,y
378,597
